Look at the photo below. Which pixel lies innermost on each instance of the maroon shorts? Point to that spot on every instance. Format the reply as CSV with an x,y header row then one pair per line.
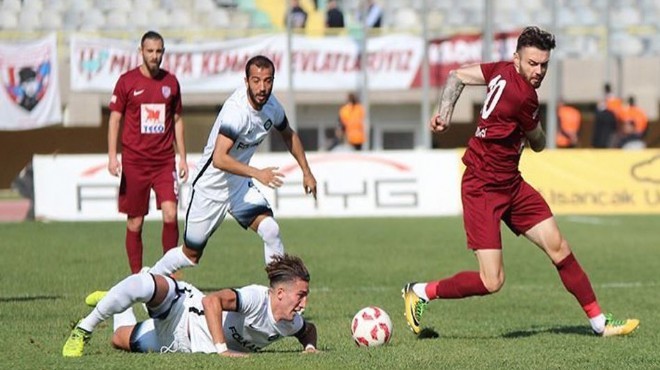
x,y
137,182
519,205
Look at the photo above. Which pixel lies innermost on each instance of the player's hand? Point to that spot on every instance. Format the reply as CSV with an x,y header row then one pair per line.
x,y
309,184
183,170
437,124
310,350
114,167
270,177
230,353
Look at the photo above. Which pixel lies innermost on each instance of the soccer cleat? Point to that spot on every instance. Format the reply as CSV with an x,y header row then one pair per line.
x,y
94,298
414,307
619,327
75,345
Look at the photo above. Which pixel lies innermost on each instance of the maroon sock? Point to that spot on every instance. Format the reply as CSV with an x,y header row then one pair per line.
x,y
577,283
170,236
464,284
134,250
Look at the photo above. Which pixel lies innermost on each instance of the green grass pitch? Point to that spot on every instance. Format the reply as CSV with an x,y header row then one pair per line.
x,y
533,323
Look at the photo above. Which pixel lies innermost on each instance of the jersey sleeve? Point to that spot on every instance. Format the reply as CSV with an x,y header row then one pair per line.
x,y
118,99
178,104
230,123
488,69
529,114
283,124
250,298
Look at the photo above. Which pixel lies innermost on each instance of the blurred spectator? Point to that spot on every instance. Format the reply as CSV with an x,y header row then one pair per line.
x,y
351,117
374,14
634,125
604,128
24,185
612,102
334,17
296,16
569,119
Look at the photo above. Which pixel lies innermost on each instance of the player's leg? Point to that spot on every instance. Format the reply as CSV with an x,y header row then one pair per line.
x,y
203,218
481,216
141,337
251,209
532,216
151,289
166,189
269,231
134,191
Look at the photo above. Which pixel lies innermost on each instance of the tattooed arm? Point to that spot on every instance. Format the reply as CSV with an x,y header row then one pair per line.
x,y
458,78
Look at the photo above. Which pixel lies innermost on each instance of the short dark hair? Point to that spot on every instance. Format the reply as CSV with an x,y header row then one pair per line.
x,y
260,61
152,35
535,37
286,268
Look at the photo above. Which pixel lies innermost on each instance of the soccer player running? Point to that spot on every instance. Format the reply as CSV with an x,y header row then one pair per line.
x,y
229,322
493,189
224,182
148,99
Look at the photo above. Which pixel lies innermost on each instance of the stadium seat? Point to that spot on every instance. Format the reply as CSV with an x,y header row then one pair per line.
x,y
406,19
138,20
8,19
92,20
29,20
116,20
204,6
51,21
144,6
11,5
33,5
123,6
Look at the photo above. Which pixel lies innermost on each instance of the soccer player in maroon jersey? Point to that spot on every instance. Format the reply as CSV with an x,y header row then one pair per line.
x,y
148,99
493,189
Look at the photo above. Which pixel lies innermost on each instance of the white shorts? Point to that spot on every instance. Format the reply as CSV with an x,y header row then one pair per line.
x,y
205,215
173,332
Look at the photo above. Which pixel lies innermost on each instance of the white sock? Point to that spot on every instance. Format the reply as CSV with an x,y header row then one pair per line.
x,y
598,323
135,288
126,318
269,231
420,290
171,262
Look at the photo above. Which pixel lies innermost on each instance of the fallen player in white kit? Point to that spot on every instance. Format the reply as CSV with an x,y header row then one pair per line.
x,y
229,322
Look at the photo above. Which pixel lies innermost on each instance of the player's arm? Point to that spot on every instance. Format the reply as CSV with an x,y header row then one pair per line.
x,y
214,304
179,140
114,167
536,138
293,143
456,81
307,337
268,176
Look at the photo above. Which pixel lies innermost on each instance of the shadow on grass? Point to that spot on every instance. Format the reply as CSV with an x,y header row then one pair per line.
x,y
430,333
30,298
577,330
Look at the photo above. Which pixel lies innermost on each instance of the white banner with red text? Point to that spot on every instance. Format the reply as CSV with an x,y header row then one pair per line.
x,y
30,94
318,64
406,183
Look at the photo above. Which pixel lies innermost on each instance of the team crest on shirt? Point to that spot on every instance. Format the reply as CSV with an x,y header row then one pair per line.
x,y
268,124
166,91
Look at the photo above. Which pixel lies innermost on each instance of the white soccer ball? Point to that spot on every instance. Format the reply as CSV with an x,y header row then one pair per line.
x,y
371,327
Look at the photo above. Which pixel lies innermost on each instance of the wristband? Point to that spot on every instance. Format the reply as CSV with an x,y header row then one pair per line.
x,y
309,346
221,347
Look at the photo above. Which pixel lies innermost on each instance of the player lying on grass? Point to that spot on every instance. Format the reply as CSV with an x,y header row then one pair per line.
x,y
229,322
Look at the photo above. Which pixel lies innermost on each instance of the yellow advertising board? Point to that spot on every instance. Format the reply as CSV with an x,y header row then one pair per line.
x,y
587,181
